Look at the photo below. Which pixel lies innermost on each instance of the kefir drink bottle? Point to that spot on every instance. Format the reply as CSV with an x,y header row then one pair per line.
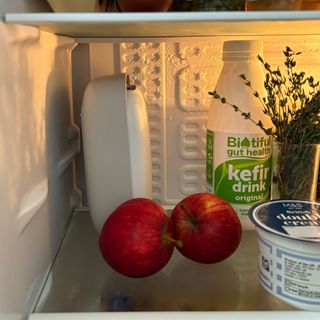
x,y
238,152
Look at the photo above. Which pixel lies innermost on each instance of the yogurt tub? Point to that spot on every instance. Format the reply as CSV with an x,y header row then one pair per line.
x,y
289,250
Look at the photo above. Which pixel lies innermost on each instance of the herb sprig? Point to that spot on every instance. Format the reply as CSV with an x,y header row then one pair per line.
x,y
292,102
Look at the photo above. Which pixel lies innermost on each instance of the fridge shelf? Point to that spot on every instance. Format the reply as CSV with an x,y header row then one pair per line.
x,y
173,24
80,281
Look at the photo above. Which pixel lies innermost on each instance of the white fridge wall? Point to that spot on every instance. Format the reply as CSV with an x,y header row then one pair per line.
x,y
37,145
175,76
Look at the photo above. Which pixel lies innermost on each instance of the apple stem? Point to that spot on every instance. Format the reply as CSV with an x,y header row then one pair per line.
x,y
166,236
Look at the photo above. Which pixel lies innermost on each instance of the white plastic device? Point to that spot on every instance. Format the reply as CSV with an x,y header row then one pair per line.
x,y
116,145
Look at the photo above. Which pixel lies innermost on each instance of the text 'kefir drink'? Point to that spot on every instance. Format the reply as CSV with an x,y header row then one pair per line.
x,y
238,152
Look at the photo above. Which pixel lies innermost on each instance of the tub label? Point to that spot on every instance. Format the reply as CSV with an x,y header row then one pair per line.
x,y
295,219
298,277
289,259
265,265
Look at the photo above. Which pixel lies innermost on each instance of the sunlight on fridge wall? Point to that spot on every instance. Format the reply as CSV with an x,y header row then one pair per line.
x,y
38,140
175,77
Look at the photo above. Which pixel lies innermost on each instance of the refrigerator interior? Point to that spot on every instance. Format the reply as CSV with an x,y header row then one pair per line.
x,y
51,267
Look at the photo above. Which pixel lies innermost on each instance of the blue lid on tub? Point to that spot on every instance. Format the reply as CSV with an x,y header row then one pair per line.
x,y
289,218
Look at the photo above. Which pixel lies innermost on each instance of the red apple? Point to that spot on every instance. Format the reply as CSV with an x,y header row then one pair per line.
x,y
136,239
207,226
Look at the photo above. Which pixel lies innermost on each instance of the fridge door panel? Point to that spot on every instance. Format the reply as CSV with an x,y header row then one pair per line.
x,y
35,189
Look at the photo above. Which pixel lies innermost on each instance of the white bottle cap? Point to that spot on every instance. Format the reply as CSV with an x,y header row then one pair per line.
x,y
241,49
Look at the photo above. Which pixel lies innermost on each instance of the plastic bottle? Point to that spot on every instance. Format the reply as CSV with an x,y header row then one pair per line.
x,y
238,160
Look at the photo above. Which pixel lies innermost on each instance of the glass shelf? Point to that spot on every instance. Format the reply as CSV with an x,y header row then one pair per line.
x,y
173,24
82,286
81,281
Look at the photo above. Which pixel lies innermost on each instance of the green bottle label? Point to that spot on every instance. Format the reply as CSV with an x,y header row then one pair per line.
x,y
238,168
209,158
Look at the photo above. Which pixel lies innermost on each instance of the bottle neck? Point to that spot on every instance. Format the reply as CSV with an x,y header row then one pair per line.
x,y
239,56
